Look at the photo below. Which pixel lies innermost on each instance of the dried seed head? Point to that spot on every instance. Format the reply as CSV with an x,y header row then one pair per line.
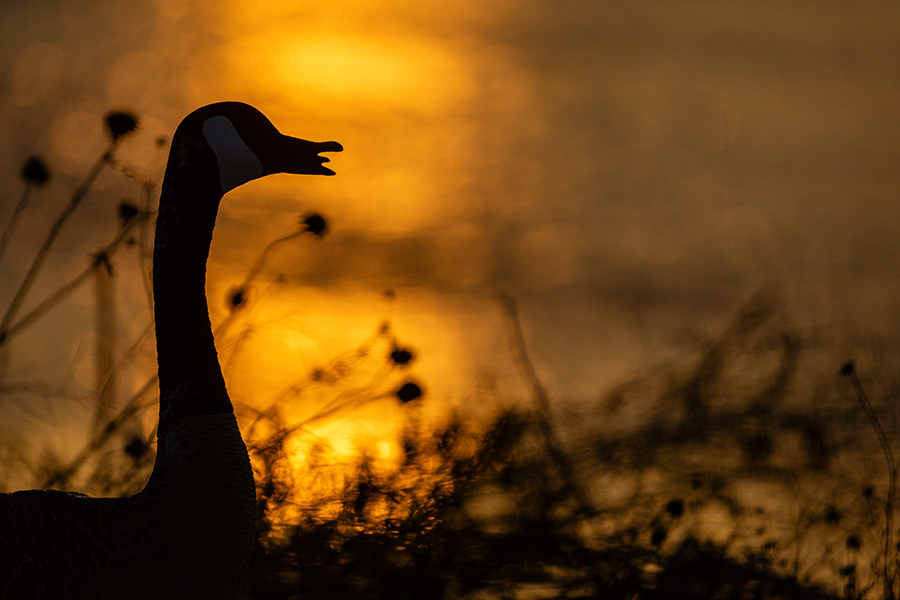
x,y
408,392
675,508
120,123
237,298
401,356
315,224
848,571
136,447
127,211
35,172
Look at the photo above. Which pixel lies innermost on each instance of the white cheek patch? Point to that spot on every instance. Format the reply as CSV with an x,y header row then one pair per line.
x,y
237,162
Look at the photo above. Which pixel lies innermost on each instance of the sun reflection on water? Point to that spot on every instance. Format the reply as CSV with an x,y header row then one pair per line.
x,y
395,73
292,56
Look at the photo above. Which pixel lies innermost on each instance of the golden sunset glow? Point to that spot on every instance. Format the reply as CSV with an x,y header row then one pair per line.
x,y
398,74
589,266
370,84
300,60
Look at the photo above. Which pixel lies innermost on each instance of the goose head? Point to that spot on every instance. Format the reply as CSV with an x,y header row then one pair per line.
x,y
240,144
215,149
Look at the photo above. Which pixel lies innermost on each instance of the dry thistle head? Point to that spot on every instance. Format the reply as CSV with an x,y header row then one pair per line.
x,y
120,124
408,392
127,211
675,508
136,447
401,357
237,298
315,224
35,172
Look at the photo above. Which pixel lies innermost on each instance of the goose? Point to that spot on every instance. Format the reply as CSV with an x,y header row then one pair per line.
x,y
189,532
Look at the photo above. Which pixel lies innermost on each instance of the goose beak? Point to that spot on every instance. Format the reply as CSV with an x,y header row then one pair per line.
x,y
301,157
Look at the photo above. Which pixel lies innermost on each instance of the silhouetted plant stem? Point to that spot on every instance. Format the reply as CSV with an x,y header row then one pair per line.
x,y
44,250
105,317
61,477
126,358
254,271
350,400
889,574
542,400
35,174
60,294
148,186
264,255
14,219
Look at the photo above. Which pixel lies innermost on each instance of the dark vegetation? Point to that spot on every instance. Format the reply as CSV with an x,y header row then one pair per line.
x,y
757,465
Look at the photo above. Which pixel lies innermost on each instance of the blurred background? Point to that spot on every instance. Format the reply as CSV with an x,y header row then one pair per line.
x,y
632,174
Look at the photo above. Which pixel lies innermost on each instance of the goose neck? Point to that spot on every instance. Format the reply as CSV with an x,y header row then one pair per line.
x,y
190,378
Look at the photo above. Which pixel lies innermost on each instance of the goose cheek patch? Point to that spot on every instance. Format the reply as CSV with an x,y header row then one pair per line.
x,y
237,162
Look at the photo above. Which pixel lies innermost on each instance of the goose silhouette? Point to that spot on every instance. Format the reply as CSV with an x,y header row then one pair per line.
x,y
189,532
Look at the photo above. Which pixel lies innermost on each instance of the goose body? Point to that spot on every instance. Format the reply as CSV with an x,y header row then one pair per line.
x,y
189,532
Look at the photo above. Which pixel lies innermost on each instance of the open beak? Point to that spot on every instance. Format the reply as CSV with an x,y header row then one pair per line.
x,y
301,157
